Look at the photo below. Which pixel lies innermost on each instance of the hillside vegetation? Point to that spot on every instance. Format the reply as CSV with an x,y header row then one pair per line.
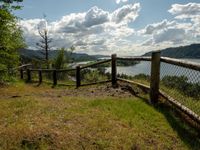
x,y
28,55
33,117
190,51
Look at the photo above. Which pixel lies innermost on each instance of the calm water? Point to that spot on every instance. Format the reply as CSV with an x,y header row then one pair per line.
x,y
166,69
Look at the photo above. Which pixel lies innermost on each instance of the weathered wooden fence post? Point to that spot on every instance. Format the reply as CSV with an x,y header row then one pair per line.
x,y
155,77
114,70
21,73
28,75
54,77
78,77
40,76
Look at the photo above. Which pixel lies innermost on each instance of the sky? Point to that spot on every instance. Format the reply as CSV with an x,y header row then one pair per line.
x,y
124,27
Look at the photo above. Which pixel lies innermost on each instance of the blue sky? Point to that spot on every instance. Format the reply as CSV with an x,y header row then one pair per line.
x,y
120,26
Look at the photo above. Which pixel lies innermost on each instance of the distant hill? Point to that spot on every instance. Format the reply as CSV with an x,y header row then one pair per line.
x,y
27,54
190,51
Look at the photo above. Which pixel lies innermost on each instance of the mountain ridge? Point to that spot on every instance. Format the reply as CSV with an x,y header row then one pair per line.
x,y
190,51
28,54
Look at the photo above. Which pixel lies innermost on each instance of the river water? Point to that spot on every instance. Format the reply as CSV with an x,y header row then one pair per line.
x,y
166,69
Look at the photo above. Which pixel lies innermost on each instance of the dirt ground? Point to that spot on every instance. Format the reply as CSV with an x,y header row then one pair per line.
x,y
103,90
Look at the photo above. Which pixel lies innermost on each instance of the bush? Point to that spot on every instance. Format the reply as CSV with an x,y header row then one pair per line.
x,y
94,76
142,77
182,85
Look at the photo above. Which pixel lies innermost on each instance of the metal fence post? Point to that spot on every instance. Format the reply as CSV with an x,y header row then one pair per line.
x,y
78,77
155,77
54,77
114,70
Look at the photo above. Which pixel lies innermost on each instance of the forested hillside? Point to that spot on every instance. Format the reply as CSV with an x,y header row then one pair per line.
x,y
190,51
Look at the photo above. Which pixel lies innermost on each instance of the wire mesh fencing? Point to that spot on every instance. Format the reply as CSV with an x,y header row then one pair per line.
x,y
182,84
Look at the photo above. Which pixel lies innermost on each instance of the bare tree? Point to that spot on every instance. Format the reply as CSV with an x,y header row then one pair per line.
x,y
44,43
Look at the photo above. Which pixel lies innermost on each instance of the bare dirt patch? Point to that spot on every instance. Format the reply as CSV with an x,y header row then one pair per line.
x,y
103,90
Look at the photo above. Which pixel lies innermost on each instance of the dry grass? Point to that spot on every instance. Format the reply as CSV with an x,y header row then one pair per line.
x,y
44,118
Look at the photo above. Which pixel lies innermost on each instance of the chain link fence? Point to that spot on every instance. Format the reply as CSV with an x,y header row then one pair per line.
x,y
182,84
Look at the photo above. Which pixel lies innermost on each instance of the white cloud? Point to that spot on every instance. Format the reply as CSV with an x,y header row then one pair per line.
x,y
185,11
121,1
183,29
190,11
156,27
171,32
126,13
93,31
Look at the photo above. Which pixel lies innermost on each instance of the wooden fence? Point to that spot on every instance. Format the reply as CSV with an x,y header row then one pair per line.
x,y
154,89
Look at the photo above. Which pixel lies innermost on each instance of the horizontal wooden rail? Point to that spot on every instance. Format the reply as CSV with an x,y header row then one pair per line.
x,y
66,70
135,58
51,70
181,63
43,70
135,83
23,66
99,82
17,68
96,63
181,107
63,84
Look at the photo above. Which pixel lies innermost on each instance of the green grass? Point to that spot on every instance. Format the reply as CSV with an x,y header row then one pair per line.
x,y
190,102
43,118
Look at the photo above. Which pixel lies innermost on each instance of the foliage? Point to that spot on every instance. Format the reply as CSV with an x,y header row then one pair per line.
x,y
139,76
69,54
94,76
182,85
127,63
142,77
10,41
60,59
10,4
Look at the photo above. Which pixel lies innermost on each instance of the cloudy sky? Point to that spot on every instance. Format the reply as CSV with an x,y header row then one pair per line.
x,y
125,27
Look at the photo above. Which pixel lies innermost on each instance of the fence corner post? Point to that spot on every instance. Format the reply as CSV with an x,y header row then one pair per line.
x,y
54,77
28,75
155,77
114,70
78,77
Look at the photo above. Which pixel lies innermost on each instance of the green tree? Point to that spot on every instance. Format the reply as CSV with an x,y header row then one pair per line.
x,y
64,57
10,39
60,59
10,4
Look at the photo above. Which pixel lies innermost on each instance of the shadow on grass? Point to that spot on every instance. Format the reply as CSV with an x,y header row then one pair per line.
x,y
189,135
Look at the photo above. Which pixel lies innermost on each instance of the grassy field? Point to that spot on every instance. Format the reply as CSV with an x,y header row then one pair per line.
x,y
39,117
